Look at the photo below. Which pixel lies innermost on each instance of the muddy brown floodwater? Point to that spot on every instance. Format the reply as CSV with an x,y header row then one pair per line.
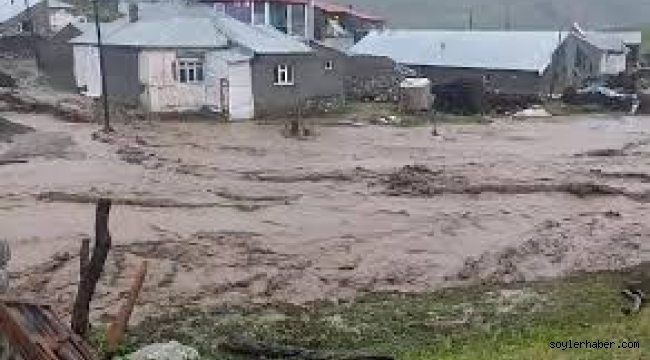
x,y
237,213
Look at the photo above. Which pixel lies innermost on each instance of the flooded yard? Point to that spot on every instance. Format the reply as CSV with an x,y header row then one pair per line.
x,y
238,213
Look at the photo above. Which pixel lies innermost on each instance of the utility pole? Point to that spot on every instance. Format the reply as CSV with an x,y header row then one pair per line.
x,y
102,68
471,19
508,18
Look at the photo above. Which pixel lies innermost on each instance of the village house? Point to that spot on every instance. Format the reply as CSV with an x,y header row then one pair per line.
x,y
198,61
519,63
18,19
42,17
331,24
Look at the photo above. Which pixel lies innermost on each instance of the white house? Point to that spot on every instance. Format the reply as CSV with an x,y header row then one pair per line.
x,y
188,63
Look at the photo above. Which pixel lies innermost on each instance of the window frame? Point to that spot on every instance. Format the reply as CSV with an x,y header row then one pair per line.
x,y
284,75
182,68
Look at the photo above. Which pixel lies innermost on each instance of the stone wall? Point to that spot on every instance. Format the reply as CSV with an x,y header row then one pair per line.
x,y
372,78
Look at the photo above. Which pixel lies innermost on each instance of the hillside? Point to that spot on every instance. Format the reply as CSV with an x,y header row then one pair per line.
x,y
525,14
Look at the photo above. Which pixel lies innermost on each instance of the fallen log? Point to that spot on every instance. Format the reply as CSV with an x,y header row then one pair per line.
x,y
243,345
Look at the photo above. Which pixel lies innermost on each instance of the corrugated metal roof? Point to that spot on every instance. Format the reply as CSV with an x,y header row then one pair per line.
x,y
499,50
10,9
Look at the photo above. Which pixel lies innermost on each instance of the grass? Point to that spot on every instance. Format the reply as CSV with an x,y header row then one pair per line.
x,y
476,322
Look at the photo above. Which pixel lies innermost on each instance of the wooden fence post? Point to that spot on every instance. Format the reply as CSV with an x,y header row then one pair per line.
x,y
91,270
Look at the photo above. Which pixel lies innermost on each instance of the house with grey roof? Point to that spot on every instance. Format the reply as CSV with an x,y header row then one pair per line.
x,y
508,62
20,18
194,61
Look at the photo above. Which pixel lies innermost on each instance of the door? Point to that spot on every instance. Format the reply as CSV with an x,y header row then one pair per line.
x,y
223,93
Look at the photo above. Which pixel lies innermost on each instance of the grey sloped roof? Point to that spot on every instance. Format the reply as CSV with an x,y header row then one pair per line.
x,y
56,4
173,32
613,40
10,9
89,33
259,39
191,26
603,41
497,50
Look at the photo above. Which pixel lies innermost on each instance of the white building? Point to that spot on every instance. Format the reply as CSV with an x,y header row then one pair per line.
x,y
190,63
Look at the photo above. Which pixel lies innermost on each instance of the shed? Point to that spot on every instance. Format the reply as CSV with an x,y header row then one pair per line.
x,y
415,94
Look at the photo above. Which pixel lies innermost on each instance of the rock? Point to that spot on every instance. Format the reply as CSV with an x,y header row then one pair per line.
x,y
4,281
5,254
172,350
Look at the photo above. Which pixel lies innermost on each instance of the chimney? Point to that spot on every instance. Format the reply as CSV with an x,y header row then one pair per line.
x,y
133,13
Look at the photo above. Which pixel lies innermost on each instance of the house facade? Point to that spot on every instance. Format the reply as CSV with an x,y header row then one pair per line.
x,y
192,63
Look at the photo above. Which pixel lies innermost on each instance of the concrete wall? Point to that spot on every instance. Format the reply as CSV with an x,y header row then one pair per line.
x,y
57,60
86,70
122,79
313,83
40,16
162,93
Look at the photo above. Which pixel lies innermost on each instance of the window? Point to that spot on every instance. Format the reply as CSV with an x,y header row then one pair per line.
x,y
259,13
278,13
240,10
329,65
298,26
284,74
25,27
188,71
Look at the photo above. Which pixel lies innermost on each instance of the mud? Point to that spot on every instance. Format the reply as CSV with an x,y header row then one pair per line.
x,y
236,213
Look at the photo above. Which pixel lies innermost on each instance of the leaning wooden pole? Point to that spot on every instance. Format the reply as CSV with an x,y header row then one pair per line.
x,y
91,270
117,329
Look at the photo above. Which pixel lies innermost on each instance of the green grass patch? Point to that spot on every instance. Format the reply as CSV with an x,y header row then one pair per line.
x,y
477,322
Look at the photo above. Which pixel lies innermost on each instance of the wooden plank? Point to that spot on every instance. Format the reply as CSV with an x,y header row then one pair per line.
x,y
36,333
18,337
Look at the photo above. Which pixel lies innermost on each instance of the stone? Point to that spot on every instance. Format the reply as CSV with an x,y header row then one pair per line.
x,y
172,350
